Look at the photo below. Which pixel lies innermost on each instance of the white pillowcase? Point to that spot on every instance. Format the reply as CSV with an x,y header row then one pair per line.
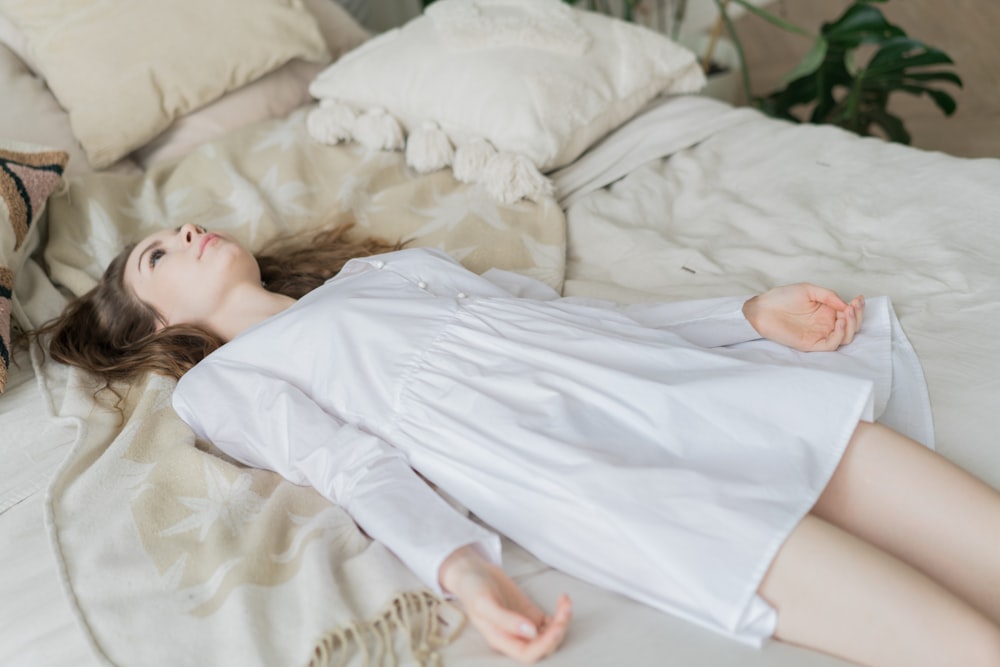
x,y
499,89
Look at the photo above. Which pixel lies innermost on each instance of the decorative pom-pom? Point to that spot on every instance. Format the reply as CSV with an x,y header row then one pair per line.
x,y
509,177
429,149
331,122
471,159
378,130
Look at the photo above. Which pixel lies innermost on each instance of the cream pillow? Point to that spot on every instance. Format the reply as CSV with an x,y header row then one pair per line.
x,y
499,89
31,114
28,175
125,69
272,96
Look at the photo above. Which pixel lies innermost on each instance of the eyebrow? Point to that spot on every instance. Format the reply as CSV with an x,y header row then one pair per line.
x,y
155,244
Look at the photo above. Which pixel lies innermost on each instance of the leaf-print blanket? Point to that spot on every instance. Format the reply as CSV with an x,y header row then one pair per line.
x,y
174,555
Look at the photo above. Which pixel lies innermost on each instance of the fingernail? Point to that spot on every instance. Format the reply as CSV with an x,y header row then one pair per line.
x,y
528,631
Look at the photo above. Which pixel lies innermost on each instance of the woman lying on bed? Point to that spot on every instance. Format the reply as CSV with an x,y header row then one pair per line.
x,y
631,447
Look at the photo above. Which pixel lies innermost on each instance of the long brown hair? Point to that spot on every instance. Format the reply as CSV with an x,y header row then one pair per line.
x,y
112,334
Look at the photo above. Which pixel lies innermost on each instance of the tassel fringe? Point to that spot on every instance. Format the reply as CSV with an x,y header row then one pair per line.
x,y
331,122
509,177
471,159
379,131
425,621
429,149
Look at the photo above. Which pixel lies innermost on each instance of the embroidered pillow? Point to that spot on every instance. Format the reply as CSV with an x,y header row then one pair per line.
x,y
28,175
500,90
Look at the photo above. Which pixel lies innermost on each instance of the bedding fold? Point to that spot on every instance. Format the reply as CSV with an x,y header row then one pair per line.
x,y
668,124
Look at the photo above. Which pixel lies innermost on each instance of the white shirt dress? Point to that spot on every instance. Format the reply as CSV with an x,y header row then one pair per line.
x,y
622,445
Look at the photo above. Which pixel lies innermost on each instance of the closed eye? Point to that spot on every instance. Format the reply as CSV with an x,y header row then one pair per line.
x,y
155,256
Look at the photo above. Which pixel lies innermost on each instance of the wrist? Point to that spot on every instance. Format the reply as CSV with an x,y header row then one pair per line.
x,y
456,566
752,313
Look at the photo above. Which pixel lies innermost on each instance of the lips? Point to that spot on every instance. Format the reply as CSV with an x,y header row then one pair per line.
x,y
205,240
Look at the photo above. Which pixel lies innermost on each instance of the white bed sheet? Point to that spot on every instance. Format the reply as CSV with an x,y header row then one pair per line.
x,y
37,626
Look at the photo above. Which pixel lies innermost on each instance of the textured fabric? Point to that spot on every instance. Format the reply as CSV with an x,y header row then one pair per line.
x,y
559,78
28,175
125,69
602,440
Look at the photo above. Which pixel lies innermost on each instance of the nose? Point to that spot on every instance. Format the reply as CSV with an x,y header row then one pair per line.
x,y
189,232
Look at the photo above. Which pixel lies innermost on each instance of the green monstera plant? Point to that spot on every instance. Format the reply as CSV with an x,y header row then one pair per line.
x,y
830,83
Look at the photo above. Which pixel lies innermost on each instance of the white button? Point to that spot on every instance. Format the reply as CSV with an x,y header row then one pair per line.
x,y
378,263
462,295
422,285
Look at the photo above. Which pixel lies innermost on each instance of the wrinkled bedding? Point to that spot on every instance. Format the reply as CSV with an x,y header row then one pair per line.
x,y
687,201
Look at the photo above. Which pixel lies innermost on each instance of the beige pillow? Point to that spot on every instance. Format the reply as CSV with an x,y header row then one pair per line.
x,y
28,175
517,87
31,114
272,96
125,69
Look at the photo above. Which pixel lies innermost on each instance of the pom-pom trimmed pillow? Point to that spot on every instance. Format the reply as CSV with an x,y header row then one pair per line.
x,y
500,90
125,69
28,175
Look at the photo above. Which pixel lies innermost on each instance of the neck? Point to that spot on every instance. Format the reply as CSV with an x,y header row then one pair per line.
x,y
245,308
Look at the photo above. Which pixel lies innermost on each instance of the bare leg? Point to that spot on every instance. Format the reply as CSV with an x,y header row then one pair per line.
x,y
841,595
921,508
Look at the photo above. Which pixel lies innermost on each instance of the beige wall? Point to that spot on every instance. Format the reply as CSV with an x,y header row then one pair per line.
x,y
964,29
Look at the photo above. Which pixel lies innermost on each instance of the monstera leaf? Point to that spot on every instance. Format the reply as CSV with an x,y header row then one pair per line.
x,y
854,96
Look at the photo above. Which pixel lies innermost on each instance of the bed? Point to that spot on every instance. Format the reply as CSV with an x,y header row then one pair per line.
x,y
126,542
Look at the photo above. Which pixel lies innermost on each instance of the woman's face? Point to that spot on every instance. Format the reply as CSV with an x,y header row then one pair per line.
x,y
187,274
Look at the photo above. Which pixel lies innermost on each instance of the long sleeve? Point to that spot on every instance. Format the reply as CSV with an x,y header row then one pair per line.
x,y
266,422
704,322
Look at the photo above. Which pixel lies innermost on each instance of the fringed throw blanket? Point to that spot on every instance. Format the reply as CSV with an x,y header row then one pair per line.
x,y
173,555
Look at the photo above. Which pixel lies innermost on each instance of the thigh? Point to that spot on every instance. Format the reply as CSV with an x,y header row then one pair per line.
x,y
838,594
923,509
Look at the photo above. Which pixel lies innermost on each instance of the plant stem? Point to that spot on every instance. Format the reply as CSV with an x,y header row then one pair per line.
x,y
713,40
731,29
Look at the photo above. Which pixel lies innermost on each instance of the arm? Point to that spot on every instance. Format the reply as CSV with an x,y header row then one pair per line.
x,y
801,316
266,422
705,322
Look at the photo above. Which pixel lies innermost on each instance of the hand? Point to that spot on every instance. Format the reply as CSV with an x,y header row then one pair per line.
x,y
508,620
805,317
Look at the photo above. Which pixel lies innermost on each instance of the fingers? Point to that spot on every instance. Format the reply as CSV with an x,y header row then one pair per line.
x,y
525,641
826,297
523,623
852,315
847,325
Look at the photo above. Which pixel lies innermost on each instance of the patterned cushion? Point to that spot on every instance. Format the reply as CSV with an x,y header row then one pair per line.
x,y
28,175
